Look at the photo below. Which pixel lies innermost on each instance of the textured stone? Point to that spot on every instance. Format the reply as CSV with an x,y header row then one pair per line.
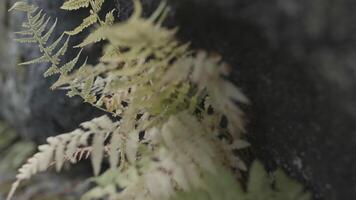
x,y
295,60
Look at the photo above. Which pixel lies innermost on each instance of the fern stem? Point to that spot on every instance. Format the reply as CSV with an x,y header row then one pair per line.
x,y
96,11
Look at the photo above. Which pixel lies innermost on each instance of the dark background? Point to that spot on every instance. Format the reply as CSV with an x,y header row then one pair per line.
x,y
294,59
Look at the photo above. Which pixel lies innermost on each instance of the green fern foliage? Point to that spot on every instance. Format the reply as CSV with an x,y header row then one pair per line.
x,y
260,187
35,32
75,4
69,147
166,101
93,18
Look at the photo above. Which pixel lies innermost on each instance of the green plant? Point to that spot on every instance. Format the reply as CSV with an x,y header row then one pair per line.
x,y
259,187
166,102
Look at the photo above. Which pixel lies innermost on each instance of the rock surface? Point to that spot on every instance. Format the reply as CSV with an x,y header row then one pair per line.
x,y
295,60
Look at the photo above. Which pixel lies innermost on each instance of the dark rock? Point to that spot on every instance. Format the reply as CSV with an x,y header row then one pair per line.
x,y
295,60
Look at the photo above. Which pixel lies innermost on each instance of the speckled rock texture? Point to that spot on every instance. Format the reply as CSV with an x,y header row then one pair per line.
x,y
294,59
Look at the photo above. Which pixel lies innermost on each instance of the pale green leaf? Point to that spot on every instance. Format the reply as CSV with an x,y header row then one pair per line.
x,y
98,152
75,4
49,33
41,59
68,67
51,71
94,37
92,19
26,40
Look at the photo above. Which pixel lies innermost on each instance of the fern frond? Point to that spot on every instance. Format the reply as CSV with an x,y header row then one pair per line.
x,y
41,59
26,40
137,10
37,23
98,153
161,91
92,19
51,71
36,17
46,37
42,28
55,44
109,18
36,27
68,67
75,4
25,32
63,147
98,4
94,37
223,186
62,50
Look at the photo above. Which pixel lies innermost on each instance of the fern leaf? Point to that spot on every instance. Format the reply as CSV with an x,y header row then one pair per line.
x,y
109,18
289,189
87,87
38,23
54,150
59,156
73,145
259,182
49,33
131,146
115,142
92,19
63,49
22,6
68,67
51,71
98,152
75,4
41,59
137,9
26,32
35,18
55,44
43,27
158,12
26,40
98,4
94,37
